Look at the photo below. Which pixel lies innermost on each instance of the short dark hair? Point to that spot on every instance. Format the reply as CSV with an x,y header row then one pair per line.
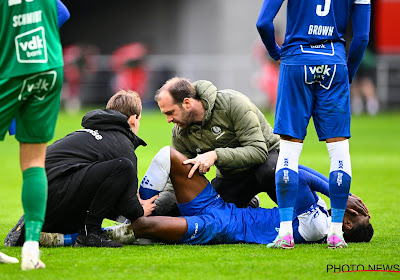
x,y
179,88
361,233
126,102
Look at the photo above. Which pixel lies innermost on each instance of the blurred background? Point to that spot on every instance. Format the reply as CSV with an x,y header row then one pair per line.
x,y
141,44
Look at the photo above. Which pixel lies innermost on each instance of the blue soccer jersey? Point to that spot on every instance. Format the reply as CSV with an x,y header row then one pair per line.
x,y
315,29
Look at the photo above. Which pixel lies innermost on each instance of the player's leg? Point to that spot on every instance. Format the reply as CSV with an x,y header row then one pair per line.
x,y
165,229
168,163
36,120
34,197
8,108
166,203
291,121
332,122
102,194
339,187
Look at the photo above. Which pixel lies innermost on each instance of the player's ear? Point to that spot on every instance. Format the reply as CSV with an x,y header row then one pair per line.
x,y
347,224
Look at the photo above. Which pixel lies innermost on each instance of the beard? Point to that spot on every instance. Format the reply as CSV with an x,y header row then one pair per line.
x,y
187,118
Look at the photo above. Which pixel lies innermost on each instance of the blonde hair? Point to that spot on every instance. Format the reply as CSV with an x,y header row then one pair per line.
x,y
126,102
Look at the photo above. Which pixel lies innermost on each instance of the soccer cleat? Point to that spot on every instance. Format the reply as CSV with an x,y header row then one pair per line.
x,y
335,242
285,242
16,236
121,233
30,260
96,239
7,259
49,239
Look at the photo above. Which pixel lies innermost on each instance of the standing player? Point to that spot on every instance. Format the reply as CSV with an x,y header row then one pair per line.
x,y
31,77
314,81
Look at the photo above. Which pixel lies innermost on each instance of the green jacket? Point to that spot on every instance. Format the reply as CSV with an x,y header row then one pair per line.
x,y
232,126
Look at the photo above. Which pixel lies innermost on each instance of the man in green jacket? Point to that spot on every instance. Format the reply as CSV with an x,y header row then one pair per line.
x,y
222,127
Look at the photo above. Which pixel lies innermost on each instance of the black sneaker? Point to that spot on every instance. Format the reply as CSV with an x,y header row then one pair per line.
x,y
16,236
254,202
96,239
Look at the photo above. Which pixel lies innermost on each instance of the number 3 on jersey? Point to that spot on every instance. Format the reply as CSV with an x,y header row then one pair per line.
x,y
324,12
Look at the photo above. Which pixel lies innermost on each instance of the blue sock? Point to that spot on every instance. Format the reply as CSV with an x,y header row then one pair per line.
x,y
339,187
339,179
69,239
287,182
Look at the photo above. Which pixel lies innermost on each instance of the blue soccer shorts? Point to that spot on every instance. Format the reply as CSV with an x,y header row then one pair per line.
x,y
210,220
320,91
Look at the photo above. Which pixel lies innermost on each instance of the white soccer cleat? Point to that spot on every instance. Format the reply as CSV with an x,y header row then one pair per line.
x,y
7,259
30,258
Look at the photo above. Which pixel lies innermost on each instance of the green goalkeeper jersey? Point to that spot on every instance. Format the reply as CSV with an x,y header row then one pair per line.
x,y
29,37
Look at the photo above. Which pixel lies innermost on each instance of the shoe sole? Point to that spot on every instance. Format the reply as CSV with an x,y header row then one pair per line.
x,y
16,236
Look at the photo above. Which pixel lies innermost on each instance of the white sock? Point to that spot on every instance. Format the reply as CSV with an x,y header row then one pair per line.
x,y
289,155
336,228
285,227
31,246
157,174
340,156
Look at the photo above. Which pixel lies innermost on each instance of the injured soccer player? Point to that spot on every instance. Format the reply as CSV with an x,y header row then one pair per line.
x,y
207,219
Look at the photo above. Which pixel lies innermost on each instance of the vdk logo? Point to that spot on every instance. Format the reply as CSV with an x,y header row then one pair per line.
x,y
31,46
320,70
38,85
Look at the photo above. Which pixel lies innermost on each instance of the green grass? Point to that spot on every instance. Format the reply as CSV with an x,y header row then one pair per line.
x,y
375,154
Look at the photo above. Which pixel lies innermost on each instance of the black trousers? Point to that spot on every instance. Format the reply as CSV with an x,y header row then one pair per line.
x,y
258,179
108,189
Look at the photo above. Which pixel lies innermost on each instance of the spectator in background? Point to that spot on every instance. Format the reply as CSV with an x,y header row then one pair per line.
x,y
128,63
363,86
79,62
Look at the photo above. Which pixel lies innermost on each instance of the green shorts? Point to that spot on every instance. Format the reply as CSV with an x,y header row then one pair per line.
x,y
34,100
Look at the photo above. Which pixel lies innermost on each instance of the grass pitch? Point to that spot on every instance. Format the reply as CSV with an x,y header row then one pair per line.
x,y
375,155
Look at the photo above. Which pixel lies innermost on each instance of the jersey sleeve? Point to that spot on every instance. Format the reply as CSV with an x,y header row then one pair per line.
x,y
265,27
361,18
316,181
63,13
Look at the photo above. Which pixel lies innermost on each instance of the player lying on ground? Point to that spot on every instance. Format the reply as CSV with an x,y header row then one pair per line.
x,y
209,220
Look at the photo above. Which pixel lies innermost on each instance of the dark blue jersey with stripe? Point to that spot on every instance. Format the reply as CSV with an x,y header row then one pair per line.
x,y
315,29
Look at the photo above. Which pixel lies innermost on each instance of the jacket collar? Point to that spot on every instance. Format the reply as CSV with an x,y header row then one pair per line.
x,y
208,94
